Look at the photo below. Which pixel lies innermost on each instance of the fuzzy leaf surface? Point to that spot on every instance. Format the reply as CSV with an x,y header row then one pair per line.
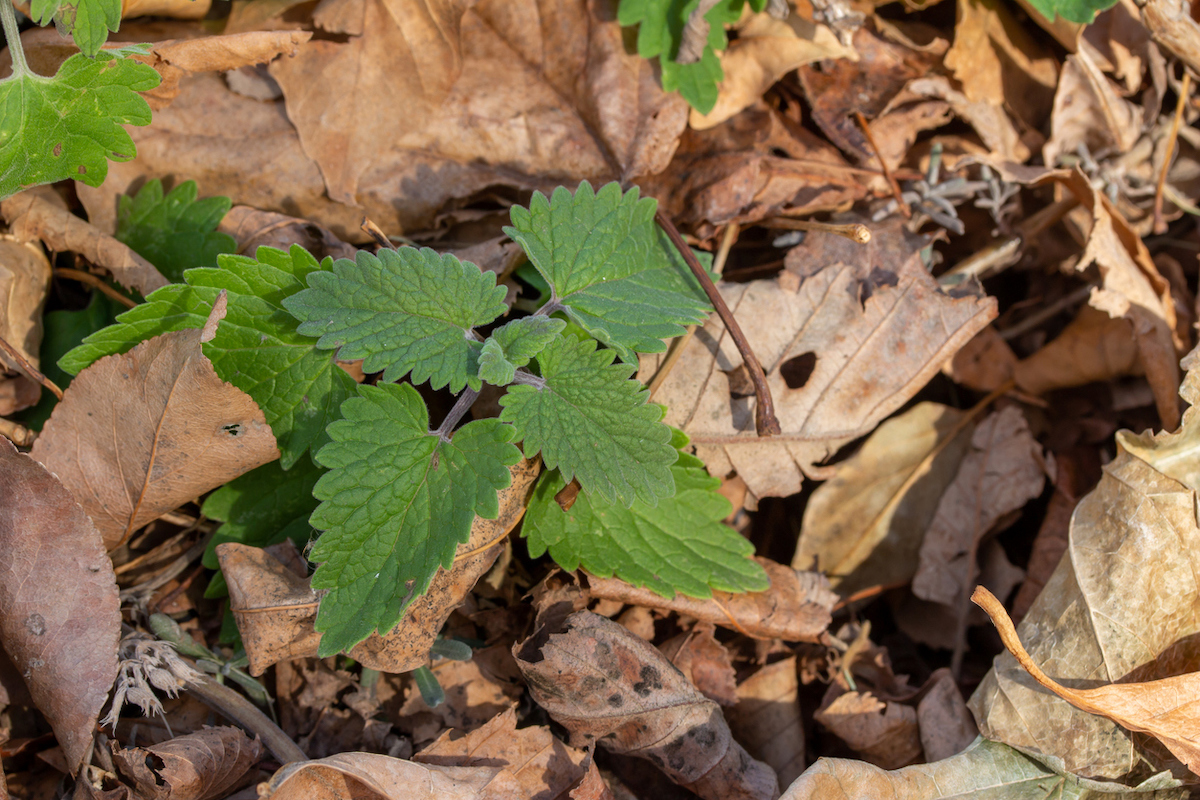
x,y
174,232
678,545
257,347
396,502
87,21
69,126
513,345
609,266
592,423
402,311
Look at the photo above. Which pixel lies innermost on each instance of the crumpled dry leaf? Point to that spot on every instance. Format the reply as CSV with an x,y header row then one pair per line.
x,y
138,434
864,526
32,218
903,119
545,767
60,616
367,776
842,349
883,733
946,726
254,229
24,281
606,685
764,51
204,765
1090,111
796,608
275,608
704,661
766,719
1093,347
1002,471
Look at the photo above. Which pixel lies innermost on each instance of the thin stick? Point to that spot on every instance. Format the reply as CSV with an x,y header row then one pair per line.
x,y
373,230
29,369
1185,88
1050,311
95,282
236,708
855,232
765,422
887,173
1044,218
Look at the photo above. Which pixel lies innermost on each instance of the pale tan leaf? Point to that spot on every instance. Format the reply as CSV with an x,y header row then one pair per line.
x,y
24,281
138,434
367,776
204,765
607,686
984,364
766,719
60,617
1094,347
884,734
946,725
1089,111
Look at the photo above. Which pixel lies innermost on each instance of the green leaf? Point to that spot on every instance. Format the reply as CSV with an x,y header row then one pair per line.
x,y
67,126
610,268
1082,11
427,684
591,422
513,345
87,21
265,506
175,232
403,311
396,502
257,347
678,545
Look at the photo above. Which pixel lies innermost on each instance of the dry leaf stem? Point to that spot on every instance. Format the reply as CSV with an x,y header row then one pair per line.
x,y
855,232
94,282
238,709
375,232
765,422
1054,309
30,370
16,433
887,173
1185,89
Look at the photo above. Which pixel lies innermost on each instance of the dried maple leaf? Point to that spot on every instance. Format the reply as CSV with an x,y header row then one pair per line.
x,y
204,765
136,435
60,618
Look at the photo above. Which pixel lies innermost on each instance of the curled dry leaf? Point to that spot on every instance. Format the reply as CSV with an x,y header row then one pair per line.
x,y
275,608
1094,347
842,349
60,618
32,218
766,719
367,776
204,765
254,229
24,281
796,608
884,733
864,526
137,435
1089,111
545,767
606,685
704,661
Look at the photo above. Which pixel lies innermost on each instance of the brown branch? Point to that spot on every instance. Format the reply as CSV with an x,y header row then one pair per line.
x,y
29,369
764,412
95,282
371,229
887,173
1160,224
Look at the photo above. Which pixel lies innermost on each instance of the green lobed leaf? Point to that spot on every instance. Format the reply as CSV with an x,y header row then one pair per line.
x,y
396,502
1081,11
610,268
592,422
513,345
175,232
69,126
679,545
257,347
265,506
87,21
403,311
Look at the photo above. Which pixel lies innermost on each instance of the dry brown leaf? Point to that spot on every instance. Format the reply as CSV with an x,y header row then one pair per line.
x,y
796,608
1167,709
764,51
842,350
254,229
766,719
1094,347
1171,24
367,776
32,218
946,725
704,661
545,767
984,364
24,281
864,526
898,128
1089,111
606,685
474,695
891,245
205,765
139,434
60,617
1121,46
1001,472
275,609
884,734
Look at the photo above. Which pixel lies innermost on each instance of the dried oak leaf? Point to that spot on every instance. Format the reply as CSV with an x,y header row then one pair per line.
x,y
766,719
796,608
842,349
545,767
24,281
367,776
137,435
275,608
606,685
60,617
204,765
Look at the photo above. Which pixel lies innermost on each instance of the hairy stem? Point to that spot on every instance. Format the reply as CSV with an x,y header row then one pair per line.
x,y
764,412
526,378
461,407
12,34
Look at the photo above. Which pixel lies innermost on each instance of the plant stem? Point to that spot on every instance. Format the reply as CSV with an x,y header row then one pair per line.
x,y
461,406
12,34
764,412
240,710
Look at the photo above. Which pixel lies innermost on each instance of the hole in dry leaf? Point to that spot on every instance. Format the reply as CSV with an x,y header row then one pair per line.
x,y
797,370
233,428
